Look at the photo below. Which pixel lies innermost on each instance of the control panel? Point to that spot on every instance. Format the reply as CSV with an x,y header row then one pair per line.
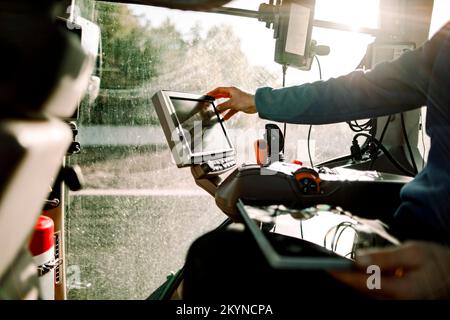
x,y
302,187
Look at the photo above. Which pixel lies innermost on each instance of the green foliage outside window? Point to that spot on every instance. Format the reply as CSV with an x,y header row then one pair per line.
x,y
140,59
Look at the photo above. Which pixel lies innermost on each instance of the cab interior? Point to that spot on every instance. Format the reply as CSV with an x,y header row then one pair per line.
x,y
83,145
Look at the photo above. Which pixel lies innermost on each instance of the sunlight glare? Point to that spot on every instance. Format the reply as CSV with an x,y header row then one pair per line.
x,y
356,13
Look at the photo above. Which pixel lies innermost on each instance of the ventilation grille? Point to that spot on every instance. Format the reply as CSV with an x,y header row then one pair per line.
x,y
58,257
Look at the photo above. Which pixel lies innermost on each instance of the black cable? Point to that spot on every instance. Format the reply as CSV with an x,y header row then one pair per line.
x,y
310,127
335,229
372,163
338,238
345,225
340,234
326,235
408,145
397,164
369,124
356,127
301,229
385,129
361,126
355,244
284,68
320,68
309,148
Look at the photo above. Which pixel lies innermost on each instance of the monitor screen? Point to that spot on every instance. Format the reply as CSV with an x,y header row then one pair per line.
x,y
202,126
297,33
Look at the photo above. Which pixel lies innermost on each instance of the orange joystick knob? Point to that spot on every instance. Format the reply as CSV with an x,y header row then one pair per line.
x,y
308,180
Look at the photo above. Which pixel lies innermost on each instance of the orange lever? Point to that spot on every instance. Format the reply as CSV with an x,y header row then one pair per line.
x,y
261,152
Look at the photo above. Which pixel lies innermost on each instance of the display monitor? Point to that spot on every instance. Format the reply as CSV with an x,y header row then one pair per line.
x,y
293,33
194,129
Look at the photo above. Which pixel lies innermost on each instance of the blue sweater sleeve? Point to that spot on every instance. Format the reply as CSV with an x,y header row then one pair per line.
x,y
391,87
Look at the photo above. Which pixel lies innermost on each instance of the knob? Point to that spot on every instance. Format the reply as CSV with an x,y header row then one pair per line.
x,y
308,180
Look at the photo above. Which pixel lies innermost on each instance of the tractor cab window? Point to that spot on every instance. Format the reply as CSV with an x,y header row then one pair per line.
x,y
133,223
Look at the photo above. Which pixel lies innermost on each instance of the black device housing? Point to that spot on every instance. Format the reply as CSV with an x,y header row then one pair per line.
x,y
283,56
377,198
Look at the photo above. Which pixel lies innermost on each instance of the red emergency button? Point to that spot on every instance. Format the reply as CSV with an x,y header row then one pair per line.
x,y
42,239
298,162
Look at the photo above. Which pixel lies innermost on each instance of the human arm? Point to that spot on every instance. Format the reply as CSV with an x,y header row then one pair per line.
x,y
391,87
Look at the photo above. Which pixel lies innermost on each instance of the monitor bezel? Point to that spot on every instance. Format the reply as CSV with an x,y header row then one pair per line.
x,y
173,125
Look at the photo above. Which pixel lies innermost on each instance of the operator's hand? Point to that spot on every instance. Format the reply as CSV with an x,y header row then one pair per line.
x,y
238,101
415,270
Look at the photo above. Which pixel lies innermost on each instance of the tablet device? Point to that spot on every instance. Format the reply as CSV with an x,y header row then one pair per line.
x,y
283,253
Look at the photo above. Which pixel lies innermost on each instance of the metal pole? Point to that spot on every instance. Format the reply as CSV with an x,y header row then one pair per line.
x,y
236,12
316,23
